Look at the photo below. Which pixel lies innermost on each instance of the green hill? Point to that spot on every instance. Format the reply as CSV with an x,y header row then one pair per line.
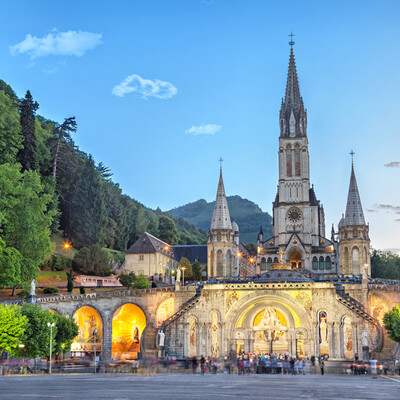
x,y
247,215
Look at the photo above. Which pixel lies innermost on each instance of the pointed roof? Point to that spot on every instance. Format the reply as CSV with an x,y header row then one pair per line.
x,y
149,244
354,212
292,107
221,218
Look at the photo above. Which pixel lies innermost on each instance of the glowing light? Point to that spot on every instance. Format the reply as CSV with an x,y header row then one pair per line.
x,y
239,254
251,260
166,248
67,245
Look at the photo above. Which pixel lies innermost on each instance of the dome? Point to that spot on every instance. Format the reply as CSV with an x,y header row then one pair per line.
x,y
341,223
235,226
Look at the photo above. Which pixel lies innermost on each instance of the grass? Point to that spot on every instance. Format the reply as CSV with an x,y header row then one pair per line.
x,y
60,250
52,276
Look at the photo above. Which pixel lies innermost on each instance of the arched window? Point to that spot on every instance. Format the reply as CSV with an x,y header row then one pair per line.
x,y
315,263
263,265
297,161
323,334
346,260
347,338
321,263
228,260
288,161
276,260
220,263
355,260
328,264
269,263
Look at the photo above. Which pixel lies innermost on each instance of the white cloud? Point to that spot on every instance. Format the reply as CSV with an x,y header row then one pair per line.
x,y
393,164
71,43
205,129
145,87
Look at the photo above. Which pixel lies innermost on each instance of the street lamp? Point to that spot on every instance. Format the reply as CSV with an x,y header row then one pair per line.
x,y
94,332
183,275
51,325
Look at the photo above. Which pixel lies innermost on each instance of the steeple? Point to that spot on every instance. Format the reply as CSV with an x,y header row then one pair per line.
x,y
221,218
293,116
354,212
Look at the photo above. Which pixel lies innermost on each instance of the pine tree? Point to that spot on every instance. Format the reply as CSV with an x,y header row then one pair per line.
x,y
27,110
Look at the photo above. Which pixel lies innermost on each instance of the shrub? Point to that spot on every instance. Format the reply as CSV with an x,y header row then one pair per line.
x,y
23,294
50,290
82,290
127,280
57,263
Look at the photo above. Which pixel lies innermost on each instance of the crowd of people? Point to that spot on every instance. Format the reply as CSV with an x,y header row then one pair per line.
x,y
248,363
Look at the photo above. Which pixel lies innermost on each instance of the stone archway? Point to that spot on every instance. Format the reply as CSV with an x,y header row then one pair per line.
x,y
273,320
90,336
128,324
296,258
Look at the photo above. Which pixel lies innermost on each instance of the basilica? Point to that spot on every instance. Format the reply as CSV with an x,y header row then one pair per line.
x,y
302,294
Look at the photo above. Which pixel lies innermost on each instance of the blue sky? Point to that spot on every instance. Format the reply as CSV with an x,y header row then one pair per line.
x,y
162,89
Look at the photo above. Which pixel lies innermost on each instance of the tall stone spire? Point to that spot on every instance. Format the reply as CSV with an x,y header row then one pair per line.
x,y
354,212
293,116
221,218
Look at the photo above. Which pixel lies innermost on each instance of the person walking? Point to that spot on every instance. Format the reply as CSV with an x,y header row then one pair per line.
x,y
202,364
194,364
322,366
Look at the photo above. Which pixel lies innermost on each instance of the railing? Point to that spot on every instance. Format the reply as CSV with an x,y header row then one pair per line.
x,y
184,308
359,309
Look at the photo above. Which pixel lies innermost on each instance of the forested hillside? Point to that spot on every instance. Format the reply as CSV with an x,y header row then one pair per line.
x,y
247,215
48,185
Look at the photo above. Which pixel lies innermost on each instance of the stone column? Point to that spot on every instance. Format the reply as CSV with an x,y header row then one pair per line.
x,y
331,339
106,342
316,335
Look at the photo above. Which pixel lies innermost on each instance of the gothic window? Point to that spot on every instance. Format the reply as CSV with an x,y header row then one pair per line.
x,y
315,263
297,162
228,259
220,263
328,264
276,260
292,125
355,260
263,265
288,161
321,262
269,263
346,260
294,215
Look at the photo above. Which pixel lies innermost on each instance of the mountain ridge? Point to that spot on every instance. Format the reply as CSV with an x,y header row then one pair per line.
x,y
247,214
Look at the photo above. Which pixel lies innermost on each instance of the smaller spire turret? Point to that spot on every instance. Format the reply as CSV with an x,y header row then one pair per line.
x,y
221,218
354,213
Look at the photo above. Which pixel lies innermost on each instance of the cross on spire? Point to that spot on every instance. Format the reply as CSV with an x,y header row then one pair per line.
x,y
220,162
292,42
352,156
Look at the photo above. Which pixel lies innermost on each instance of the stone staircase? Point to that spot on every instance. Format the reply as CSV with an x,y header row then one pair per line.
x,y
188,305
359,309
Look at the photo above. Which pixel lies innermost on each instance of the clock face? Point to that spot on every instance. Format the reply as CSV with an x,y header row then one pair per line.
x,y
294,215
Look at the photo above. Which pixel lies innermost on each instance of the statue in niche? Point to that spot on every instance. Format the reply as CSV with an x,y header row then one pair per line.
x,y
161,338
364,338
270,320
178,275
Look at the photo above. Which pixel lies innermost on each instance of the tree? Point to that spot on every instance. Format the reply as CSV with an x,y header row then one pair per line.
x,y
184,262
36,337
10,129
12,327
196,270
167,230
27,110
10,262
141,282
25,219
92,260
391,322
67,330
385,265
127,280
62,134
70,282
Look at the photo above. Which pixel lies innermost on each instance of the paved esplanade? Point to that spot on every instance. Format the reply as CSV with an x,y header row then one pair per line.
x,y
180,386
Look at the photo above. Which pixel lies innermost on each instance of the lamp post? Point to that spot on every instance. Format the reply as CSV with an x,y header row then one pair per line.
x,y
94,332
183,275
51,325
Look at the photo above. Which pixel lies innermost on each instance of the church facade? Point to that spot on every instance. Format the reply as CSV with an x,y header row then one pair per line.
x,y
302,294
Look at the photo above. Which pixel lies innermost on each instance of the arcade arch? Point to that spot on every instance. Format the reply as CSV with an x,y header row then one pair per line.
x,y
88,320
128,324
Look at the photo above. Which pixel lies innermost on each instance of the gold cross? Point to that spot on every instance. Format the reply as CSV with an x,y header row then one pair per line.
x,y
281,254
